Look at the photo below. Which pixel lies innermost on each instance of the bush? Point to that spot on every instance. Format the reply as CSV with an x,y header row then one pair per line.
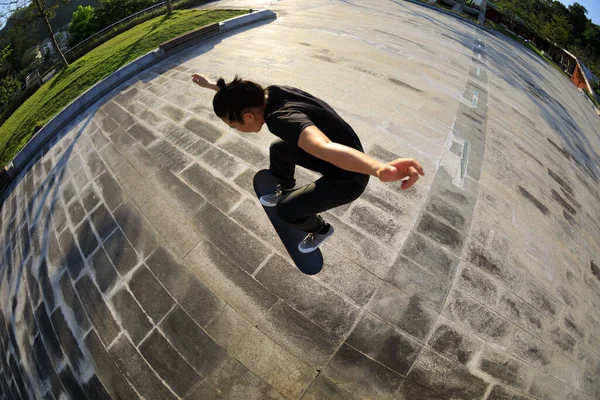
x,y
8,87
86,20
111,11
82,25
120,28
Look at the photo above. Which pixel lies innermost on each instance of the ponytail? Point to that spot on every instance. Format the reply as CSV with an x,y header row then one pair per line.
x,y
221,84
236,97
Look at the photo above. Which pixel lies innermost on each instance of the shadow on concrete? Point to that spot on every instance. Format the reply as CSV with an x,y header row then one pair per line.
x,y
29,261
203,47
516,72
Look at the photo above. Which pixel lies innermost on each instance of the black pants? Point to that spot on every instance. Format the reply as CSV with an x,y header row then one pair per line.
x,y
301,207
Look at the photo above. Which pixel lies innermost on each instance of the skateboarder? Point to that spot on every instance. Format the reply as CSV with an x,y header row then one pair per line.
x,y
312,135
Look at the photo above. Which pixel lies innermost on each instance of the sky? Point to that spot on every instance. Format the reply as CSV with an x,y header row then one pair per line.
x,y
592,7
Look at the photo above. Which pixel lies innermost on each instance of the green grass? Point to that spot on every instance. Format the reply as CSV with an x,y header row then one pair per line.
x,y
71,82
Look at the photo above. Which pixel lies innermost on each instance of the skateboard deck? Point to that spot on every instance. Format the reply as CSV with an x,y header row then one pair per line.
x,y
309,263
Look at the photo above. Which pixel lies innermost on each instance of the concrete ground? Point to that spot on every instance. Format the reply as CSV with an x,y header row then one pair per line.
x,y
137,261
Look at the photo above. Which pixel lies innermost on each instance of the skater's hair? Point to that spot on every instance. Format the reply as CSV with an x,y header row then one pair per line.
x,y
237,97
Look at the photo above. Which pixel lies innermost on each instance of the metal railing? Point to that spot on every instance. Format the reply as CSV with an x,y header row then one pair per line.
x,y
46,67
99,33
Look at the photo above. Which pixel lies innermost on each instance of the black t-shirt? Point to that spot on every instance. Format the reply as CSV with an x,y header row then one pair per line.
x,y
290,110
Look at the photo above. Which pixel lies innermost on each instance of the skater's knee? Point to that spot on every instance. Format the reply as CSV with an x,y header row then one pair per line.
x,y
357,186
357,192
279,148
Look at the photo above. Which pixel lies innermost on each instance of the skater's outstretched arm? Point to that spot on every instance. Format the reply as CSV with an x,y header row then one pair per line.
x,y
204,82
315,142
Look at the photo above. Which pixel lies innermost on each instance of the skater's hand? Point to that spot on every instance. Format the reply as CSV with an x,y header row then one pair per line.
x,y
399,169
203,82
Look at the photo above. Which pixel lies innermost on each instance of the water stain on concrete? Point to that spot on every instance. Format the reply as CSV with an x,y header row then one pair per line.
x,y
595,269
366,71
569,323
570,198
563,202
480,286
459,198
472,118
404,85
440,232
518,312
447,212
536,90
481,260
404,39
563,340
567,296
521,149
410,22
416,320
450,343
504,369
542,301
570,123
562,151
324,58
568,217
538,204
586,184
529,121
560,181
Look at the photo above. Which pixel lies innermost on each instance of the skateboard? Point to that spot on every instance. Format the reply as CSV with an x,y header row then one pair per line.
x,y
309,263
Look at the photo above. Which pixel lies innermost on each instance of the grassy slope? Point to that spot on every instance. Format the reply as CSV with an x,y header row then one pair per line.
x,y
71,82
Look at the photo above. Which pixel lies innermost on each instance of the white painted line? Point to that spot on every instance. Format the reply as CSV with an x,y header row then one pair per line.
x,y
479,56
475,99
464,159
478,71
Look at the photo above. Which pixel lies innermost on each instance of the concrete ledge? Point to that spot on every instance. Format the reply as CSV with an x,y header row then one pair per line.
x,y
248,19
476,25
81,103
190,38
93,94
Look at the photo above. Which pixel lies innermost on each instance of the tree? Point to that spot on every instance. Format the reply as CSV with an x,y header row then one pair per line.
x,y
591,37
8,87
111,11
4,54
511,8
169,6
82,25
18,39
558,30
578,19
36,9
567,26
482,9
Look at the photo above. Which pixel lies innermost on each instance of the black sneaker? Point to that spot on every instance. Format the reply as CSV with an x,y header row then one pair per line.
x,y
271,199
312,241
